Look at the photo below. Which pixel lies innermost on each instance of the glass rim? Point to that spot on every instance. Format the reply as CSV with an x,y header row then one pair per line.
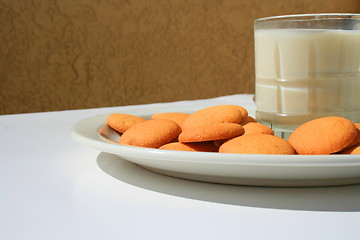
x,y
304,17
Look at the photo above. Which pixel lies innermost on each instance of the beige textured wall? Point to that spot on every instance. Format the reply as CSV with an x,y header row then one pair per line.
x,y
66,54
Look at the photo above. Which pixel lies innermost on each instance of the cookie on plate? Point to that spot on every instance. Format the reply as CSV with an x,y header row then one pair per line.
x,y
121,122
243,111
210,132
214,114
323,135
247,119
193,147
356,140
177,117
151,133
220,142
257,144
257,128
352,150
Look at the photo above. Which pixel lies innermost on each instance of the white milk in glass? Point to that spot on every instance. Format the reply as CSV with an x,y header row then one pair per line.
x,y
302,74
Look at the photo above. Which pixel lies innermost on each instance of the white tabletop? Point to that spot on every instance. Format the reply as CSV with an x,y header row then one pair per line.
x,y
52,187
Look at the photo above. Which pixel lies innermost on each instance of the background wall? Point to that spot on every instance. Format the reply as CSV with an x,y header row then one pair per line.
x,y
66,54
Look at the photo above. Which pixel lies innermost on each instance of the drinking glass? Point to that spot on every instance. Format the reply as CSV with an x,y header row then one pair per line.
x,y
307,66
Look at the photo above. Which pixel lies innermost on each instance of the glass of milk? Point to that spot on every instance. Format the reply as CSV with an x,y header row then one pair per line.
x,y
307,66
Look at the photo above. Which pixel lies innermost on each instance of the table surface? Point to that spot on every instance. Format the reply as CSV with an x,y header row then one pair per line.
x,y
52,187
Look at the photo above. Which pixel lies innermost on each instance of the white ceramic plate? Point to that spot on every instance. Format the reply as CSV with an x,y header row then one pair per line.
x,y
240,169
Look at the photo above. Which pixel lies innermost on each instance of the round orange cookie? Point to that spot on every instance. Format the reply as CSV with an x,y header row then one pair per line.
x,y
356,140
247,120
214,114
210,132
151,133
193,147
177,117
257,128
243,111
219,142
323,135
352,150
122,122
257,144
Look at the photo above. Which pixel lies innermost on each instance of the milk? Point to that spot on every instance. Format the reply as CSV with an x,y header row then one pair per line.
x,y
302,74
